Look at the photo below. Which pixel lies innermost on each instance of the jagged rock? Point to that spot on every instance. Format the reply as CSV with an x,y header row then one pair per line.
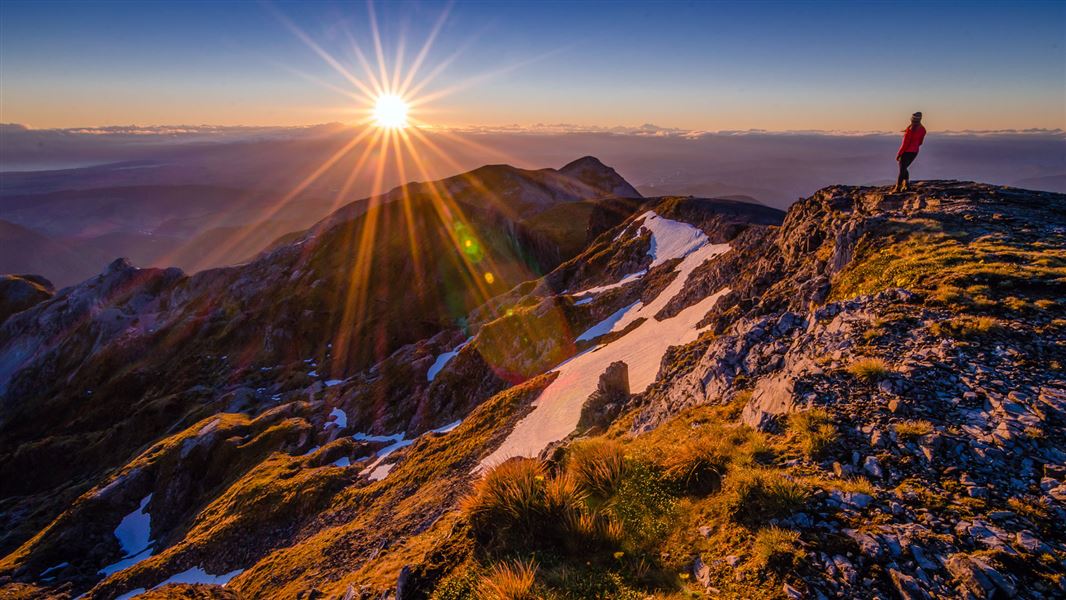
x,y
772,396
612,393
907,587
975,576
872,466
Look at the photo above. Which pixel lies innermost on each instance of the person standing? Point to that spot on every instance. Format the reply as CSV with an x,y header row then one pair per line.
x,y
913,137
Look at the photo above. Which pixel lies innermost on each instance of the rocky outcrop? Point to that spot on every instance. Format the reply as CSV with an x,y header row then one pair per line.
x,y
612,393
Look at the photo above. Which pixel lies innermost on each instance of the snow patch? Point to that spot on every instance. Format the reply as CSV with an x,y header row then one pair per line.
x,y
61,565
338,417
342,462
606,325
376,471
443,360
603,288
133,531
558,408
380,472
134,536
333,382
449,426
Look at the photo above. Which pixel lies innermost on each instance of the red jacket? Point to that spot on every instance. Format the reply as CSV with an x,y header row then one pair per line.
x,y
912,139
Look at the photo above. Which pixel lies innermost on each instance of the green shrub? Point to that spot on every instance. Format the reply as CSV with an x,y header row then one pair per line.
x,y
462,584
643,507
812,430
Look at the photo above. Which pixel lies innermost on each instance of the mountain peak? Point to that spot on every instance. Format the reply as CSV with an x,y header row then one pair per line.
x,y
591,170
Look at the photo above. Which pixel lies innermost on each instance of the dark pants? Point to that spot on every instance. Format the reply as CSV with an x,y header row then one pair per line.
x,y
905,161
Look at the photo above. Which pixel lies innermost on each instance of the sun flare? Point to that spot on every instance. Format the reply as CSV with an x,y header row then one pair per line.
x,y
390,111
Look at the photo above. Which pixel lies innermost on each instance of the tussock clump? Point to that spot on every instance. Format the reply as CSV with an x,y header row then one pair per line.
x,y
516,504
812,430
511,580
776,548
869,369
597,467
698,464
909,430
752,495
966,327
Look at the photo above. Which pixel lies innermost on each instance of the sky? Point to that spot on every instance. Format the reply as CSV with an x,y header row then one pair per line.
x,y
702,66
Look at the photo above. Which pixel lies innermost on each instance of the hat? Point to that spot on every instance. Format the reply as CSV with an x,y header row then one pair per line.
x,y
917,115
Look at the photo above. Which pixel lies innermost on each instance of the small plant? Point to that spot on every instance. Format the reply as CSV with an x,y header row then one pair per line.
x,y
813,431
966,327
511,580
752,495
697,464
869,369
776,548
909,430
876,330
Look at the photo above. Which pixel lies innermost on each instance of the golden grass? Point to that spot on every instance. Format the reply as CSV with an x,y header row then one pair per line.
x,y
754,494
966,327
776,548
909,430
812,431
869,369
921,256
511,580
597,466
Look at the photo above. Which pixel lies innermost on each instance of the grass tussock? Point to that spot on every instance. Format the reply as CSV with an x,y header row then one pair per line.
x,y
967,327
752,495
911,430
776,548
517,503
511,580
597,467
869,370
812,431
698,464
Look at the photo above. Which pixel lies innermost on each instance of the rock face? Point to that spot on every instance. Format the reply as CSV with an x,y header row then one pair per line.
x,y
285,414
612,392
19,292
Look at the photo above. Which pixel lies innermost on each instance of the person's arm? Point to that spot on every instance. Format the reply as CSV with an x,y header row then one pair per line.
x,y
906,138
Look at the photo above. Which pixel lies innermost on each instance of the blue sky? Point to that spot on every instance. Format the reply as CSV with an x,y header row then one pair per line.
x,y
690,65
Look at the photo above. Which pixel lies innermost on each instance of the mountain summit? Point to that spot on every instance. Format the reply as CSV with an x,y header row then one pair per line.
x,y
859,398
597,175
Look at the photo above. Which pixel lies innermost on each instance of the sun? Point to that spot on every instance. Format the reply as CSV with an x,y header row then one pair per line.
x,y
390,111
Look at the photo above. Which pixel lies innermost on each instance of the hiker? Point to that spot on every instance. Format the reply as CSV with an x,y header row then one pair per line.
x,y
913,137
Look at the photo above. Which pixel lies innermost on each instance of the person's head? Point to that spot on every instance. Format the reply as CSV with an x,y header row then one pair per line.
x,y
916,118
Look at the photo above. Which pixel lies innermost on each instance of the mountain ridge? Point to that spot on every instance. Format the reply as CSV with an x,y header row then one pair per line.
x,y
785,311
